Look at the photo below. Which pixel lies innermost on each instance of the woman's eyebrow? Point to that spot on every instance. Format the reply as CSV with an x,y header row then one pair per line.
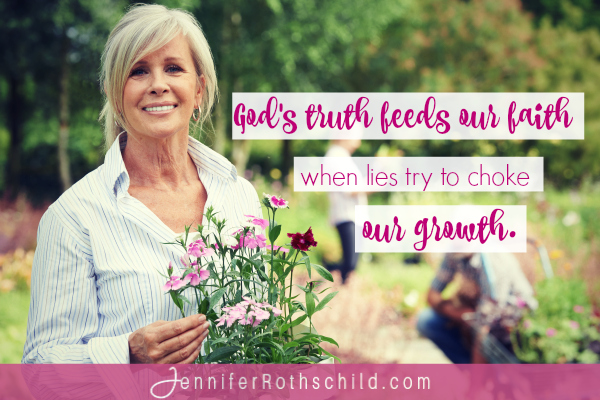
x,y
168,59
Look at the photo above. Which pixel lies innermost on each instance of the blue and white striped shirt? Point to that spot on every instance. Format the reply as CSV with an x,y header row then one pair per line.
x,y
96,276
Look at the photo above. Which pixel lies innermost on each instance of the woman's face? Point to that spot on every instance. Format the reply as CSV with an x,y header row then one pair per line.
x,y
162,91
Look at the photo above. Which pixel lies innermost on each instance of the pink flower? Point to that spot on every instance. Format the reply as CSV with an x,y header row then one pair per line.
x,y
276,202
250,241
249,301
276,311
550,332
578,309
203,274
247,312
196,248
170,268
261,240
209,251
257,315
574,324
521,303
174,283
230,315
281,249
192,278
258,222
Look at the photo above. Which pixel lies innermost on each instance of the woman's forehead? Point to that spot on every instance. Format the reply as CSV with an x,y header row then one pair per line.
x,y
176,50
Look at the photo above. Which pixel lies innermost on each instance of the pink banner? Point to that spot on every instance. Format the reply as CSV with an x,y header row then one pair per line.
x,y
300,381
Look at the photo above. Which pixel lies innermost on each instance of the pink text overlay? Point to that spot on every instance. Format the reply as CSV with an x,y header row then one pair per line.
x,y
418,174
400,116
441,229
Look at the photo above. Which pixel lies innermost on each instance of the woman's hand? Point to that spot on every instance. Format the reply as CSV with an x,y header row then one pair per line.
x,y
176,342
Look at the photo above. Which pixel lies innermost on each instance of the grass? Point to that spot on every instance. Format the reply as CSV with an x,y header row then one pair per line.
x,y
14,307
404,285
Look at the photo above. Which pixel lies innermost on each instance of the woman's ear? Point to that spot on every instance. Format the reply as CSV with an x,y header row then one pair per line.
x,y
200,91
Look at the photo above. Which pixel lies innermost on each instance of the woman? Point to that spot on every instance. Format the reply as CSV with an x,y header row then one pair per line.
x,y
96,282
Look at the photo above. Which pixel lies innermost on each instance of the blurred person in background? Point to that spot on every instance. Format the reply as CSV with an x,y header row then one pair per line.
x,y
341,211
97,294
495,277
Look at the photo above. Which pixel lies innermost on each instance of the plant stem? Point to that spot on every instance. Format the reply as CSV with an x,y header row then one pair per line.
x,y
272,223
291,284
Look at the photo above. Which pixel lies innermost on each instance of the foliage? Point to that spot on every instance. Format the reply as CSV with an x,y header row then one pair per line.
x,y
15,270
490,46
562,329
13,325
306,45
245,294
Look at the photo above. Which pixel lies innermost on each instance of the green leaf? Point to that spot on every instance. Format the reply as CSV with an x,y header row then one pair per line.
x,y
203,306
331,355
310,304
176,299
290,344
325,300
304,289
307,263
222,353
323,272
298,321
216,296
329,340
274,233
300,305
185,299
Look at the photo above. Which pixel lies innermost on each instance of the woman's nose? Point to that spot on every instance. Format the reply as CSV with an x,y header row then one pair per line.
x,y
158,83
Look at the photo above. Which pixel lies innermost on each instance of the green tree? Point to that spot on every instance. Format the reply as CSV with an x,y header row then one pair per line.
x,y
285,45
53,45
491,46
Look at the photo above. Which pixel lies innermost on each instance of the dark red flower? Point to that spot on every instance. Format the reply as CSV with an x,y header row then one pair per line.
x,y
303,241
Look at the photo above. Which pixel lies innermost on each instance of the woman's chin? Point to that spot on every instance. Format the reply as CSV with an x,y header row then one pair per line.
x,y
161,134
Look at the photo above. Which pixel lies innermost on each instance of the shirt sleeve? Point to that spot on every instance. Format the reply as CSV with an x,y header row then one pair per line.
x,y
63,314
445,274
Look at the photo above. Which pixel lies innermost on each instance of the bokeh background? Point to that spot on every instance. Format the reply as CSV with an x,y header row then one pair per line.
x,y
50,135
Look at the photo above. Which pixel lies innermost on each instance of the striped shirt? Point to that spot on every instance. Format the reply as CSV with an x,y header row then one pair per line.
x,y
97,268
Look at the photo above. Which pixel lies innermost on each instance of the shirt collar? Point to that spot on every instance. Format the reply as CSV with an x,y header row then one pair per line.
x,y
206,160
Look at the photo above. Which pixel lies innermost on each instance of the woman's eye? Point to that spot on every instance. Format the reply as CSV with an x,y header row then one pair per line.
x,y
174,68
136,72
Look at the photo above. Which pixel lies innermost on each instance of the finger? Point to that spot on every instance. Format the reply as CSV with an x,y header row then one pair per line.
x,y
180,341
193,357
187,351
176,328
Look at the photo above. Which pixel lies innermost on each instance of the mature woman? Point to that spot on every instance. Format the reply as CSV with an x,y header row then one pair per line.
x,y
96,284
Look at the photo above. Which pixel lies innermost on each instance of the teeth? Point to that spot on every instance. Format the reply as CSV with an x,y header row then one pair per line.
x,y
161,108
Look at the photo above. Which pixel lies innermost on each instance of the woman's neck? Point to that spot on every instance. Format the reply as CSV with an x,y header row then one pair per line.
x,y
159,163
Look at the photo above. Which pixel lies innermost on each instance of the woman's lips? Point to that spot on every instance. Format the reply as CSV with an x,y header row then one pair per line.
x,y
159,109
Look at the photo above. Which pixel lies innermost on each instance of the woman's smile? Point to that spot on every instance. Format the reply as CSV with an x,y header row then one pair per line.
x,y
159,109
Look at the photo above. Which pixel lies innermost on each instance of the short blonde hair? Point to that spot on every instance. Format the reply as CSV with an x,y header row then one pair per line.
x,y
143,30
